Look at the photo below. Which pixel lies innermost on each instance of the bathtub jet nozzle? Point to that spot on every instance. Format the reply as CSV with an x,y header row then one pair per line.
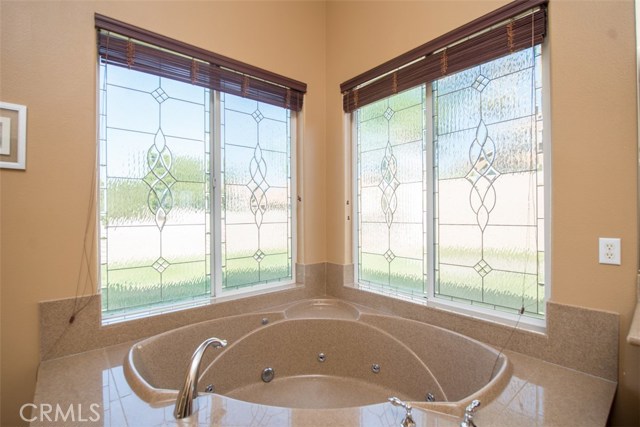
x,y
268,374
186,401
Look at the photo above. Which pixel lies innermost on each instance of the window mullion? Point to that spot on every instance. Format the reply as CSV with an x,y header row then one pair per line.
x,y
428,184
216,201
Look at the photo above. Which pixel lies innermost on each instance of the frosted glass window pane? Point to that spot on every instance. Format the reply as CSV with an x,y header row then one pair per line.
x,y
153,190
500,104
273,134
459,244
183,119
488,179
256,205
126,144
239,128
391,166
138,113
458,111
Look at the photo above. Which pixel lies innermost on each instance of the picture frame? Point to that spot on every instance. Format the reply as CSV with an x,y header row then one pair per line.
x,y
13,136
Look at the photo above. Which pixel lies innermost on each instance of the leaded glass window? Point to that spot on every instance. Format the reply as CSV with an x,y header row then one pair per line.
x,y
488,189
458,198
391,192
256,198
168,233
153,180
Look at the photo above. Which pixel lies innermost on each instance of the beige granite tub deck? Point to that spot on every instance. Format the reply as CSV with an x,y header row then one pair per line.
x,y
537,393
562,377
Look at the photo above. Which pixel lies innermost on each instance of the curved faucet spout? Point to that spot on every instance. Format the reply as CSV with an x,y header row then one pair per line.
x,y
185,403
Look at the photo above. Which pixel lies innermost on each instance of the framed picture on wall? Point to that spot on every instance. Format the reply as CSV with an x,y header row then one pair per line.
x,y
13,136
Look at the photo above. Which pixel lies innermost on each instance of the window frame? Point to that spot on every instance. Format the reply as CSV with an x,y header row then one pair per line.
x,y
215,211
217,292
429,298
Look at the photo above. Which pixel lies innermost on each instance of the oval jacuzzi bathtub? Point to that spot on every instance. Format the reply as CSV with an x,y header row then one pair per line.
x,y
325,353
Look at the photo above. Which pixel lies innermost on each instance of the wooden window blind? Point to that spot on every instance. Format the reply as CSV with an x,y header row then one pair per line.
x,y
138,49
513,27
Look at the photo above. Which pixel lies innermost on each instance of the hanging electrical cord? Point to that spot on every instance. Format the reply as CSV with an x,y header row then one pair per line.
x,y
87,286
533,133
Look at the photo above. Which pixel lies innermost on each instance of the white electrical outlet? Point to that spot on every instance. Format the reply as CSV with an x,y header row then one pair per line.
x,y
609,250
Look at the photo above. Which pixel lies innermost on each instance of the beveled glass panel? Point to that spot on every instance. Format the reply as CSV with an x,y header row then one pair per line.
x,y
256,193
391,196
489,231
153,201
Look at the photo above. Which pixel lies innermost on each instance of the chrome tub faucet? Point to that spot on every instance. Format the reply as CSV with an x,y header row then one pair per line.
x,y
186,401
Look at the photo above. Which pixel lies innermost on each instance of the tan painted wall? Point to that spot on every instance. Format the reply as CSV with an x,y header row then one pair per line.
x,y
44,208
594,145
